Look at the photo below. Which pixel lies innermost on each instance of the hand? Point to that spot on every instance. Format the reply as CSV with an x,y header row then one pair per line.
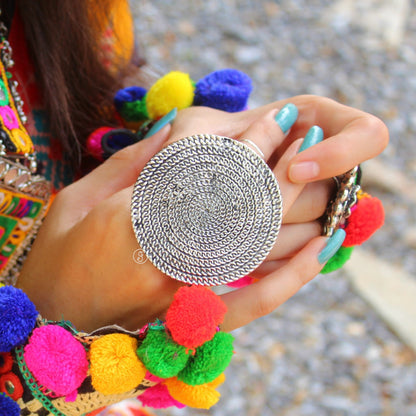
x,y
352,137
81,266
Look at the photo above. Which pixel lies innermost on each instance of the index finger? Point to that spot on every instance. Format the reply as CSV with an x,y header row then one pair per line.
x,y
352,137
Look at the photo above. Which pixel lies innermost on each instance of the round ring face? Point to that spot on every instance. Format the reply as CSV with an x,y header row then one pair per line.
x,y
206,210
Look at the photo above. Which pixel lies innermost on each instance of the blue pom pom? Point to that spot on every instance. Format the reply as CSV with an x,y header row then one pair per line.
x,y
226,89
128,95
8,407
18,317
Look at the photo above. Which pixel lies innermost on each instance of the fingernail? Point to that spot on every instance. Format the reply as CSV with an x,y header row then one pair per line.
x,y
303,171
166,119
286,117
313,136
332,246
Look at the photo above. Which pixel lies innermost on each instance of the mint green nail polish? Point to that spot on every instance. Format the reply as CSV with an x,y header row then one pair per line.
x,y
286,117
166,119
313,136
332,246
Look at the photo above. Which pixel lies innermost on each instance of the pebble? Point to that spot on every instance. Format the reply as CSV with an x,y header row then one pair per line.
x,y
324,352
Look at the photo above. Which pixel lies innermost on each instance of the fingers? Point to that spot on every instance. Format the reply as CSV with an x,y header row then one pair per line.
x,y
268,132
352,137
292,238
312,202
263,297
288,189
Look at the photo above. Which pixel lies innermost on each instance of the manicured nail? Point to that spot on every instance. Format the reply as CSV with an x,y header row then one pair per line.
x,y
332,246
313,136
303,171
166,119
286,117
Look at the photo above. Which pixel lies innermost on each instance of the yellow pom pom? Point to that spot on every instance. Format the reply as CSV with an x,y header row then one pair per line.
x,y
115,367
203,396
174,90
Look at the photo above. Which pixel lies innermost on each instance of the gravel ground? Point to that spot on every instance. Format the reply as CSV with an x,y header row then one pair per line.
x,y
324,352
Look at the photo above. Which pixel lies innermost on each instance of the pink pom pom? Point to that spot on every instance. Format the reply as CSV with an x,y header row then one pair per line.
x,y
57,360
94,147
364,221
194,315
243,282
158,397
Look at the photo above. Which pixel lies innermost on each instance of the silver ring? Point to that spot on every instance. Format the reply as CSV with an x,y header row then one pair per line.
x,y
255,147
206,210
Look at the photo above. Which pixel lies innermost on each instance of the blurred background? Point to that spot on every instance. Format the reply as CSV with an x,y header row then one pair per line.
x,y
345,345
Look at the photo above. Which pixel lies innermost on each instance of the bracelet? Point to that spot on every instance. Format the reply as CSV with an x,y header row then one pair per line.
x,y
357,212
49,365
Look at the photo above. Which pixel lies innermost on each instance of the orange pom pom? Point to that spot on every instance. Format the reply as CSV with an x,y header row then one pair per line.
x,y
364,221
194,315
203,396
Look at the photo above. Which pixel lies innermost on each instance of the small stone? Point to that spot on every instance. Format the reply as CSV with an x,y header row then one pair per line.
x,y
356,329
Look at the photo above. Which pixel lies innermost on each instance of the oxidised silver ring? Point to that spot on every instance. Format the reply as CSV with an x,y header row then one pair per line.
x,y
206,210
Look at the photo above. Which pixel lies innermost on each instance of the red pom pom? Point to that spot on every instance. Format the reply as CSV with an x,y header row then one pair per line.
x,y
364,221
194,315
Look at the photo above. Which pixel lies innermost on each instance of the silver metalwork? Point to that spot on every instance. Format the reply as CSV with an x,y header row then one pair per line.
x,y
254,146
206,210
339,208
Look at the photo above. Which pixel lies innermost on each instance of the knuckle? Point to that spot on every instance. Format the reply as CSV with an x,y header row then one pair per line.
x,y
378,131
265,304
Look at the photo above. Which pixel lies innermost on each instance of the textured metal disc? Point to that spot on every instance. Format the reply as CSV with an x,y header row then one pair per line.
x,y
206,210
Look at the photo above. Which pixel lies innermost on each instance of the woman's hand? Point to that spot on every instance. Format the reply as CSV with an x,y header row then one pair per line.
x,y
81,267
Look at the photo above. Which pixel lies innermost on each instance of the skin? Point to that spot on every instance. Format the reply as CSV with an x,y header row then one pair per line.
x,y
87,274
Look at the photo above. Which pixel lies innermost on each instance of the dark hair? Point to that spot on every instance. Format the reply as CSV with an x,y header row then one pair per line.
x,y
63,39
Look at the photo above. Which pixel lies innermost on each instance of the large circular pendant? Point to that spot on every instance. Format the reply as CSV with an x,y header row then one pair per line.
x,y
206,210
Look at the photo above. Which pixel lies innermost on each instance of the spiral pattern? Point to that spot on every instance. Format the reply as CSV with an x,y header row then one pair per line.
x,y
206,210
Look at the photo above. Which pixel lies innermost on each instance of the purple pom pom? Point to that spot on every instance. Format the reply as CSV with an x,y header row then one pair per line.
x,y
128,95
8,407
17,317
226,89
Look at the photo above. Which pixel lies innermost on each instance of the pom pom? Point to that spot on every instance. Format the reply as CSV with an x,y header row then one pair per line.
x,y
158,397
209,361
226,89
18,317
174,90
243,282
365,219
93,144
115,367
10,384
160,355
194,315
134,111
56,359
200,397
128,95
8,407
338,260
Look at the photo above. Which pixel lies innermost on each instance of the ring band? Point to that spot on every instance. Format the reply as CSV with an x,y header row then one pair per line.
x,y
254,146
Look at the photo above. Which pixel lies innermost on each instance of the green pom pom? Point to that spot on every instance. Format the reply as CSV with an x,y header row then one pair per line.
x,y
209,361
338,260
134,110
161,355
